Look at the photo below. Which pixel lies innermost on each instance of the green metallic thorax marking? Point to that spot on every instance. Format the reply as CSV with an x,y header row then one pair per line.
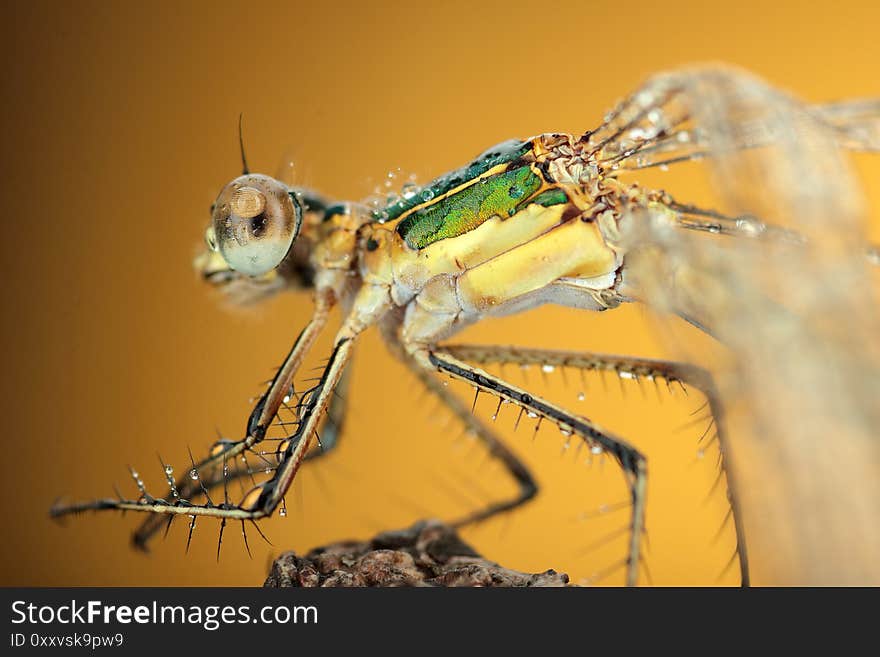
x,y
500,195
502,153
548,197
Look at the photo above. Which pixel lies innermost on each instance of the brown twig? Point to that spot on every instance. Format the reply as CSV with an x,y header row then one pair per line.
x,y
429,553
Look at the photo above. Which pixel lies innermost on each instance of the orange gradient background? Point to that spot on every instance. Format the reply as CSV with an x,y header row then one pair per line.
x,y
119,129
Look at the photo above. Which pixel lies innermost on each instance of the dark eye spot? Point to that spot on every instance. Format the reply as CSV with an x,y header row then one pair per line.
x,y
258,224
372,244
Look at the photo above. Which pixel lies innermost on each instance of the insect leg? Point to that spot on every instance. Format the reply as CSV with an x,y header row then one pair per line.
x,y
637,368
214,469
497,449
633,463
335,420
314,403
208,476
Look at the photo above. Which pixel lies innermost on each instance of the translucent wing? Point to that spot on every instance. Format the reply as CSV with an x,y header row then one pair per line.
x,y
799,315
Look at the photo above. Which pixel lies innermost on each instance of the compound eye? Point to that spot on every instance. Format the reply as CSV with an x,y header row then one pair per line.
x,y
254,223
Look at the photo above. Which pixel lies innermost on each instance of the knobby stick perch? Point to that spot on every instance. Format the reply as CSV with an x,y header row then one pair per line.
x,y
429,553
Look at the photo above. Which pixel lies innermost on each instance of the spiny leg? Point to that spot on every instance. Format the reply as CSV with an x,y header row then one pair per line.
x,y
254,505
335,418
633,463
263,498
208,476
629,367
497,449
312,408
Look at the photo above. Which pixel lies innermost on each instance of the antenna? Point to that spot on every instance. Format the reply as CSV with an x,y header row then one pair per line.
x,y
244,164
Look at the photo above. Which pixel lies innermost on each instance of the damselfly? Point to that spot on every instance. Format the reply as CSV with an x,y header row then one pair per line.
x,y
782,279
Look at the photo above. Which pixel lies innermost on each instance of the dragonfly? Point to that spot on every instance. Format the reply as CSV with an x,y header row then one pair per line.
x,y
558,219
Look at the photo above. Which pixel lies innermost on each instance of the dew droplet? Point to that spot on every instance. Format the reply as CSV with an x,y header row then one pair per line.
x,y
193,474
169,470
409,190
531,414
596,449
282,513
581,396
547,368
